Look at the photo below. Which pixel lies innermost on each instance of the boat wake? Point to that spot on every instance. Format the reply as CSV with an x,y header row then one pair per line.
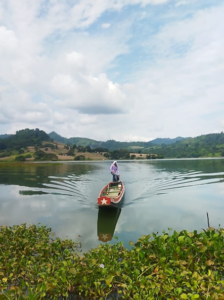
x,y
77,187
164,183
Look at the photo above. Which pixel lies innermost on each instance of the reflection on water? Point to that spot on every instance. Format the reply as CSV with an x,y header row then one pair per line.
x,y
106,223
158,194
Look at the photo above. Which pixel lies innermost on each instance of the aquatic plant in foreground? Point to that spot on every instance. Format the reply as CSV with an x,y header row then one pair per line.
x,y
181,265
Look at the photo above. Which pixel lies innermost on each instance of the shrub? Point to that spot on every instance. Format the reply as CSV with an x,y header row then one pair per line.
x,y
33,264
70,152
41,155
5,154
20,158
182,265
80,157
48,145
21,151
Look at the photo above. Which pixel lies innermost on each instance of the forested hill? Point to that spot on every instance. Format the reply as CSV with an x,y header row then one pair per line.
x,y
168,141
4,136
24,138
209,145
111,144
78,141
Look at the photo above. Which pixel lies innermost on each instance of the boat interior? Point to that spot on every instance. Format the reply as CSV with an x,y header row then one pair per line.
x,y
112,190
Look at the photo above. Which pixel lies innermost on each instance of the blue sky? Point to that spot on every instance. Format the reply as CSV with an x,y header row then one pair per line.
x,y
112,69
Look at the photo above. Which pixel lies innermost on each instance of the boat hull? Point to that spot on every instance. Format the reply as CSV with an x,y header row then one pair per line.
x,y
111,195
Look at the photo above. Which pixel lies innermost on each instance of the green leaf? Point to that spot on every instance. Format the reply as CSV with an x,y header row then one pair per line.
x,y
203,248
73,271
136,272
215,235
181,238
141,254
109,279
183,296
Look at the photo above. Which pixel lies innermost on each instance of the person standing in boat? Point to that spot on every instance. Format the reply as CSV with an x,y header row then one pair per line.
x,y
114,171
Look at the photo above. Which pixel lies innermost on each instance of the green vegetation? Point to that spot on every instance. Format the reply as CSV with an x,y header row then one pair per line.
x,y
4,136
210,145
79,157
70,152
24,138
181,265
118,154
4,154
17,143
75,140
20,158
33,265
41,155
49,145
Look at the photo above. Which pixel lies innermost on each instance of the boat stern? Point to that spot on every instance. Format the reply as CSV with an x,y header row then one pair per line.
x,y
104,201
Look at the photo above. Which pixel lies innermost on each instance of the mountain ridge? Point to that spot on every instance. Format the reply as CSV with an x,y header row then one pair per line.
x,y
94,143
209,145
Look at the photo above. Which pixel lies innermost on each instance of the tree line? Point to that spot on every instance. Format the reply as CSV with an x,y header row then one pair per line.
x,y
210,145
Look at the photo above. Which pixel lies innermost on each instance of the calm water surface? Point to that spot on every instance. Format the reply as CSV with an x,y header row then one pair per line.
x,y
160,194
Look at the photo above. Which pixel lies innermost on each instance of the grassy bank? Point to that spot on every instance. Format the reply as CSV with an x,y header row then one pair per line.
x,y
181,265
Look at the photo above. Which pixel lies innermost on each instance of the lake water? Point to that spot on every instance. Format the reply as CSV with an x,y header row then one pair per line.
x,y
160,194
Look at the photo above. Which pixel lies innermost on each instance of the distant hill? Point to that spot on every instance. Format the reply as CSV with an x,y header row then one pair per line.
x,y
58,138
4,136
111,144
167,141
208,145
78,141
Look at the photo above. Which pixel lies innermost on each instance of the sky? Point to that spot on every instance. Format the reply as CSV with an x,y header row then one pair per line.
x,y
128,70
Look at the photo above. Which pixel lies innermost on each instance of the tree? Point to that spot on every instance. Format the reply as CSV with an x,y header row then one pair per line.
x,y
20,158
70,152
41,155
80,157
21,151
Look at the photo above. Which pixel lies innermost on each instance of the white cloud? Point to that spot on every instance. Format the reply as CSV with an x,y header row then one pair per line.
x,y
57,70
179,3
91,95
106,25
185,2
8,43
88,120
181,88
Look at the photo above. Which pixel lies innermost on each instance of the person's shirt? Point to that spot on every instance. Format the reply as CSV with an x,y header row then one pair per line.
x,y
114,169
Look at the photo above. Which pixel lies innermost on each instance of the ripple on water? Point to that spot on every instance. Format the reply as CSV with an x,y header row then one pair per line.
x,y
164,182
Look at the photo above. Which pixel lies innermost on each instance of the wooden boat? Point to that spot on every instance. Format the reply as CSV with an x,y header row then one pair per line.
x,y
106,223
112,194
